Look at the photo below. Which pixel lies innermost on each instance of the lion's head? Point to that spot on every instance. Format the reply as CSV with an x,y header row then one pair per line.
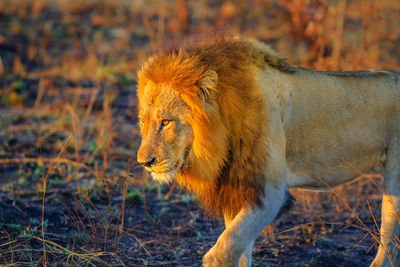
x,y
167,135
169,111
199,110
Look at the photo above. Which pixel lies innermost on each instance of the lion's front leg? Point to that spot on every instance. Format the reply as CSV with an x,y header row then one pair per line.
x,y
245,259
237,239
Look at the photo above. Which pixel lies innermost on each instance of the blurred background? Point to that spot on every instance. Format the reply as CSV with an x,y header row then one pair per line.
x,y
72,192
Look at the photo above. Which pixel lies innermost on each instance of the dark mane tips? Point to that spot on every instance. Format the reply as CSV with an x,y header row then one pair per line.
x,y
214,50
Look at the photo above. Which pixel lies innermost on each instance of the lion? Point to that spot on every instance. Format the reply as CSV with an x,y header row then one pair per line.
x,y
231,121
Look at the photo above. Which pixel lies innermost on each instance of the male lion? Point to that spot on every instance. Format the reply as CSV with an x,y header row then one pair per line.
x,y
234,123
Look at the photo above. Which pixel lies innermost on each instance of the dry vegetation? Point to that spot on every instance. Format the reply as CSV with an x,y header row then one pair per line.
x,y
72,193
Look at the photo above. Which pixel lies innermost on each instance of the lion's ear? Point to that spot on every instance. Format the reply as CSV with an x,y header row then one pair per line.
x,y
208,83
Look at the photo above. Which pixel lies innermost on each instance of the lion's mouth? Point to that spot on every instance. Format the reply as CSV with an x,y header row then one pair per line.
x,y
164,168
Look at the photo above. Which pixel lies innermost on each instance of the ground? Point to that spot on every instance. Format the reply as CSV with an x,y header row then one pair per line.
x,y
72,192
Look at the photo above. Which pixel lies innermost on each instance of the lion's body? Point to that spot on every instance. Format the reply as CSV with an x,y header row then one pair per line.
x,y
243,126
336,125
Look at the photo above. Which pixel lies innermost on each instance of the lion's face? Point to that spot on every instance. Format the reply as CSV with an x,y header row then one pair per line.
x,y
167,136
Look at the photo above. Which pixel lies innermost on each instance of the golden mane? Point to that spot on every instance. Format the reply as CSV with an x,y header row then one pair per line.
x,y
225,168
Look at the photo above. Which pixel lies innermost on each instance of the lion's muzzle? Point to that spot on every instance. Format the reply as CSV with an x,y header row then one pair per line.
x,y
149,163
145,156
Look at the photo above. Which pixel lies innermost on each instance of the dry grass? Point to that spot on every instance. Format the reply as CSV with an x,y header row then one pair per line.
x,y
67,83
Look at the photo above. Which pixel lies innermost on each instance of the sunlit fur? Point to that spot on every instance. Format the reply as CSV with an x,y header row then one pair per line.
x,y
169,143
164,178
225,166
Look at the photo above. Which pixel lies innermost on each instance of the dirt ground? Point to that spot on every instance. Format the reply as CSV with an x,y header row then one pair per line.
x,y
72,193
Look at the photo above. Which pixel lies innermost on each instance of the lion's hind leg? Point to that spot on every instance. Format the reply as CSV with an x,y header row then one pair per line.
x,y
388,251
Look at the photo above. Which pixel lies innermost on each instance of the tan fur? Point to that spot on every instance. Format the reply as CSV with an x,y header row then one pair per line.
x,y
244,125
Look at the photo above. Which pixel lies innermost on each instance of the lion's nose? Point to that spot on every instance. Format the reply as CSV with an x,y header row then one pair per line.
x,y
148,163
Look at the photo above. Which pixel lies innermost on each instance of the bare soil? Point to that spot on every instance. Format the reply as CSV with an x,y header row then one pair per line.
x,y
175,232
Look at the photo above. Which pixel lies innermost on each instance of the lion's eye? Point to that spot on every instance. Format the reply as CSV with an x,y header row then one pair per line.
x,y
165,122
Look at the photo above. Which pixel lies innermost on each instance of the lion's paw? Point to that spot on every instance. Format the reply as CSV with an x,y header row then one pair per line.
x,y
215,259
